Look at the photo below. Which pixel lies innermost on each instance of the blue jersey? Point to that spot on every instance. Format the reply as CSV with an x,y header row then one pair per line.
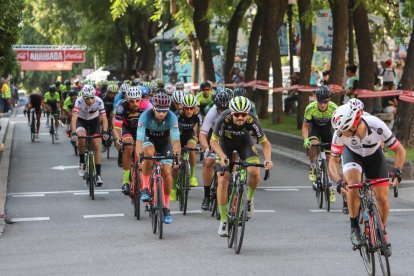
x,y
149,126
117,99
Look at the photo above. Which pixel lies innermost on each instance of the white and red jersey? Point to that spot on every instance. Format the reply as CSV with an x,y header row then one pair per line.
x,y
87,112
377,131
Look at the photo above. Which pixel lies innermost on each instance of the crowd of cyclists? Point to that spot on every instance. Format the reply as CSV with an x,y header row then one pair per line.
x,y
222,122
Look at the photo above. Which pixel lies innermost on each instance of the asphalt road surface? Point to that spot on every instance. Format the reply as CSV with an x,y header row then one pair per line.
x,y
58,230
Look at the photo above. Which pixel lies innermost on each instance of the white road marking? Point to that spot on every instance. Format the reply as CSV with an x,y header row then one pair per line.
x,y
264,211
285,187
29,195
87,193
103,216
62,168
281,190
188,212
340,211
62,192
401,210
29,219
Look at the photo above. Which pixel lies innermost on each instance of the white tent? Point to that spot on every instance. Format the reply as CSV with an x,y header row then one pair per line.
x,y
98,75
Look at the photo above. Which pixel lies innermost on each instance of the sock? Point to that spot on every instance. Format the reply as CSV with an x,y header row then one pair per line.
x,y
82,158
125,174
354,222
193,171
146,181
167,201
98,169
250,193
206,191
174,183
223,212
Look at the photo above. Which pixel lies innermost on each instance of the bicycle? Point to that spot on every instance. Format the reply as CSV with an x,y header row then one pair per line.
x,y
90,174
237,204
322,178
32,125
373,239
155,203
135,183
74,144
108,143
183,183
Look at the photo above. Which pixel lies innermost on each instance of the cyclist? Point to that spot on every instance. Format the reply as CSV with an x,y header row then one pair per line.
x,y
177,99
221,101
36,102
169,89
179,86
357,140
121,94
87,113
125,128
52,103
189,120
58,87
231,133
316,128
204,97
157,127
68,107
241,91
65,90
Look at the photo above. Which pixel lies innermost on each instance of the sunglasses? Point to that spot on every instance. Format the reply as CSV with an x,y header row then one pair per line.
x,y
188,108
323,101
161,110
134,100
89,98
238,114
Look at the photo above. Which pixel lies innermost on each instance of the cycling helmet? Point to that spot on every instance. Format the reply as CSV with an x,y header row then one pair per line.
x,y
73,92
221,99
345,117
161,100
225,90
239,91
240,104
169,88
52,89
128,82
159,83
354,102
145,90
323,93
112,88
88,90
189,101
124,88
179,85
178,96
57,83
134,92
205,85
67,82
160,90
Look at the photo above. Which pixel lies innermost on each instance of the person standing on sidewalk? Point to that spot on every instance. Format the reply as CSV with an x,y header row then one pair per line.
x,y
7,95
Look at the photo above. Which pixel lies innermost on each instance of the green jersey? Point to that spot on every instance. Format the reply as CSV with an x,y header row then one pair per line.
x,y
68,104
202,102
319,118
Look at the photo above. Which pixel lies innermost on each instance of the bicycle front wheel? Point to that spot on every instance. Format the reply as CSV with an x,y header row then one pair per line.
x,y
383,250
366,251
213,196
91,176
319,195
231,217
186,185
325,186
160,208
136,194
240,218
153,209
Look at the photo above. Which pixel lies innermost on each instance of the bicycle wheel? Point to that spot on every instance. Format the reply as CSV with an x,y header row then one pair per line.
x,y
180,188
108,145
186,185
160,207
241,217
32,128
52,129
325,185
91,175
75,148
213,195
366,250
382,251
231,216
136,195
153,208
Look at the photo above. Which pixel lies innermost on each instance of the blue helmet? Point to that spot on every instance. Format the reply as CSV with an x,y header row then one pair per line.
x,y
145,91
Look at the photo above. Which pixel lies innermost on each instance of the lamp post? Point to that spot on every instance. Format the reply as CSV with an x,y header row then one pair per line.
x,y
291,41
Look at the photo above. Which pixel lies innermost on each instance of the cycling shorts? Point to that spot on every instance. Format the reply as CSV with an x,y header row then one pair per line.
x,y
322,134
92,127
162,146
129,132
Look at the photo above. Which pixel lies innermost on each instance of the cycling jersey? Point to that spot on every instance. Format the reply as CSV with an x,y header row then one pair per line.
x,y
202,101
229,131
319,118
149,126
36,101
127,117
87,112
187,124
377,131
209,120
52,101
108,102
68,104
117,99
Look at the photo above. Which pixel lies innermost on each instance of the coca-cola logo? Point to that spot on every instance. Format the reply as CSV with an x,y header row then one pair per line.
x,y
22,56
74,56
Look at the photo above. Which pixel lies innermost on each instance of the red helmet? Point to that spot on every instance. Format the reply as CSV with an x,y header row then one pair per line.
x,y
161,100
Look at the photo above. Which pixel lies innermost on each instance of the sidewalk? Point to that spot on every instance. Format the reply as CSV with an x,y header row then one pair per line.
x,y
6,138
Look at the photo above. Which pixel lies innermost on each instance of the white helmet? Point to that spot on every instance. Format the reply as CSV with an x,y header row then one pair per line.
x,y
240,104
169,88
354,102
178,96
88,90
345,117
134,92
124,88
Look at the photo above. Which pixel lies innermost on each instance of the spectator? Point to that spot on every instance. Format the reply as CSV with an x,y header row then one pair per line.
x,y
6,92
351,83
388,74
314,76
399,69
237,75
292,97
325,77
1,144
389,104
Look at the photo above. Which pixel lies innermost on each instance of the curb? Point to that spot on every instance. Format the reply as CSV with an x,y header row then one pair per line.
x,y
6,138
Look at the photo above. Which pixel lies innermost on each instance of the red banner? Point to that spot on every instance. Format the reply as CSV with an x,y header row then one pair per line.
x,y
46,66
75,56
50,56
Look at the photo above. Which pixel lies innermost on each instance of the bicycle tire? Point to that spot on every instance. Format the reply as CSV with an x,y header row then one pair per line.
x,y
153,211
231,217
160,208
241,218
107,150
75,148
180,189
186,187
92,176
382,252
325,185
366,251
52,129
137,195
213,195
319,195
33,129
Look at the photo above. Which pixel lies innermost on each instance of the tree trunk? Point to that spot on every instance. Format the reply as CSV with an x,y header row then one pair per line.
x,y
365,53
195,64
340,22
202,28
306,54
232,29
254,46
404,123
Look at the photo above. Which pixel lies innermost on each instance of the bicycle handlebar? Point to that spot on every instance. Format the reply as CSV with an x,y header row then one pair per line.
x,y
247,164
320,145
368,183
158,158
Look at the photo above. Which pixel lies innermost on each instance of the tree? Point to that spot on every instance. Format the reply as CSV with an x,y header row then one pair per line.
x,y
11,15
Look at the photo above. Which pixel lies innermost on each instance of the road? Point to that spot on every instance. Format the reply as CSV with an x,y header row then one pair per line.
x,y
55,230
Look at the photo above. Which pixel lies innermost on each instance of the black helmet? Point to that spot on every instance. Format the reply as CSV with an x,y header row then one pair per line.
x,y
57,83
160,90
323,93
221,99
205,85
73,92
52,89
67,82
239,91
